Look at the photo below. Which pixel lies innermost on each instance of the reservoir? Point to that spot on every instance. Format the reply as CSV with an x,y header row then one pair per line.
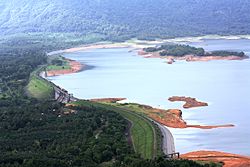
x,y
224,85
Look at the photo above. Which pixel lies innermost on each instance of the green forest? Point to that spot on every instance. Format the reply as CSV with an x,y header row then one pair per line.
x,y
123,19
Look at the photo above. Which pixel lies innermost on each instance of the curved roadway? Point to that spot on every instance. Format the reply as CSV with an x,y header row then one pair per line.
x,y
168,146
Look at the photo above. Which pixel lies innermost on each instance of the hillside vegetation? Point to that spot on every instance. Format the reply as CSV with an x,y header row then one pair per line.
x,y
123,19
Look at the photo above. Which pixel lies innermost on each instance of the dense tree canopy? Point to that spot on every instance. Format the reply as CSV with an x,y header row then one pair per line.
x,y
123,19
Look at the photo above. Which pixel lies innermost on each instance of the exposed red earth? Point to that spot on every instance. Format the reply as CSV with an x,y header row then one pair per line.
x,y
173,118
74,67
190,102
229,160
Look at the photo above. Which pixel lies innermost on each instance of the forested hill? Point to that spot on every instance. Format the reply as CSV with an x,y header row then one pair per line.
x,y
126,18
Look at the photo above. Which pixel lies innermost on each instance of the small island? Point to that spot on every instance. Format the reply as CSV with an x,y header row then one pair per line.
x,y
185,52
190,102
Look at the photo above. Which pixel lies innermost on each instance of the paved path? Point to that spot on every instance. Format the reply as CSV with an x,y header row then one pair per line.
x,y
168,146
60,95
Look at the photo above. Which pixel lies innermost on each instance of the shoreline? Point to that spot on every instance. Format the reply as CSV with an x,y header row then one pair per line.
x,y
96,46
189,58
139,44
169,117
75,67
135,47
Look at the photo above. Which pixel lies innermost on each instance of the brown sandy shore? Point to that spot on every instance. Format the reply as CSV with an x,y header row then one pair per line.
x,y
229,160
77,66
74,67
189,58
133,46
139,47
171,117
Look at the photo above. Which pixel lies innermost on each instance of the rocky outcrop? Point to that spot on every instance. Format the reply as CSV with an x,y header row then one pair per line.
x,y
171,118
176,112
190,102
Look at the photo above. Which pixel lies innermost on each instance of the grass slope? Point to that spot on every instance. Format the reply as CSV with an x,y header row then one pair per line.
x,y
39,88
143,134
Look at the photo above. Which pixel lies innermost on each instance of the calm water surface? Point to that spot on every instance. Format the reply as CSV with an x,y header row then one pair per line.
x,y
225,85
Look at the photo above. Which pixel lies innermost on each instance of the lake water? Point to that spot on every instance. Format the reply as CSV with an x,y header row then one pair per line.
x,y
225,85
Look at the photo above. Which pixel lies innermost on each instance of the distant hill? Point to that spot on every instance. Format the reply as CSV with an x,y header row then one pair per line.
x,y
123,19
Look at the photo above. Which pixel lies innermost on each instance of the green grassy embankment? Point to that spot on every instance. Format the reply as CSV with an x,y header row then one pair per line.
x,y
57,62
145,135
38,87
136,109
